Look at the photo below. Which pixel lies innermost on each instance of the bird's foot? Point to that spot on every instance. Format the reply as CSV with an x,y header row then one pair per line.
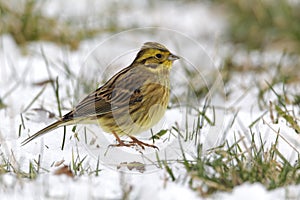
x,y
134,142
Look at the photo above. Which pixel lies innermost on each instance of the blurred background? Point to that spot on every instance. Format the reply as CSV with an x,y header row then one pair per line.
x,y
259,24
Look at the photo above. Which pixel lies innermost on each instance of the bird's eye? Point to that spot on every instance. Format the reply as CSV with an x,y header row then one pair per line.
x,y
158,55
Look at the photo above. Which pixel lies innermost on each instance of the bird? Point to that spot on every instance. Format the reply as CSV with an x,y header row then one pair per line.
x,y
130,102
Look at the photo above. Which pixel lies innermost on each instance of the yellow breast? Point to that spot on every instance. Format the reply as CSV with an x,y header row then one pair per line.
x,y
140,116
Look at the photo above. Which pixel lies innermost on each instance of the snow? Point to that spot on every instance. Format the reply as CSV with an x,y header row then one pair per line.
x,y
258,191
193,35
247,192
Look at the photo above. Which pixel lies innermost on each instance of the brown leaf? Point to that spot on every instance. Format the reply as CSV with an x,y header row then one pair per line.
x,y
64,170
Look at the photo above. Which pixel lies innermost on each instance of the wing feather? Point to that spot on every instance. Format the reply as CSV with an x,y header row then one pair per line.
x,y
121,90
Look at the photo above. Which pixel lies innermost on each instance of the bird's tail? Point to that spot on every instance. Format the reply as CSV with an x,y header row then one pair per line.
x,y
45,130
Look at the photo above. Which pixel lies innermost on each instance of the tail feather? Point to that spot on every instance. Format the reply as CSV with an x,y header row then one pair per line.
x,y
44,130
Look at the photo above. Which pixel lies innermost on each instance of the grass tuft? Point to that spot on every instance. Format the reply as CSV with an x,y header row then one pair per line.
x,y
227,166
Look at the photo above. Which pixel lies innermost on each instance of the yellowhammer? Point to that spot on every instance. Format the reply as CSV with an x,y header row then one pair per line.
x,y
131,102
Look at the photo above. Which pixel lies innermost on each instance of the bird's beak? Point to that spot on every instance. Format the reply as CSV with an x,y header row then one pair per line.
x,y
173,57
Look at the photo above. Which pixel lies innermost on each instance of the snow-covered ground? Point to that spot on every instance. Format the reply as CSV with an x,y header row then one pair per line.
x,y
191,30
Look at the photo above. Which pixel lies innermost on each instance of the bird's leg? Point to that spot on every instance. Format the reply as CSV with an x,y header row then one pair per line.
x,y
121,143
140,143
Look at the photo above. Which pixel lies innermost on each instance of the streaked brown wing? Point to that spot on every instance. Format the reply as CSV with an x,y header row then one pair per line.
x,y
121,90
90,106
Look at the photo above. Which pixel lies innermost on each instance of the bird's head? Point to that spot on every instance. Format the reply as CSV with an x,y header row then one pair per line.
x,y
155,56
